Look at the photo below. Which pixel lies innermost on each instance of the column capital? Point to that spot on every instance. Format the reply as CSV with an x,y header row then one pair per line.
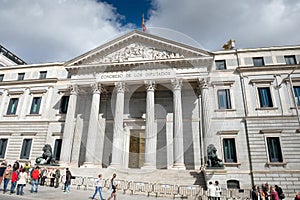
x,y
96,88
203,83
74,89
150,85
120,86
176,84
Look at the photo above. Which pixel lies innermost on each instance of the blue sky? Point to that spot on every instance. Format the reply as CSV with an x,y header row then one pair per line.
x,y
131,10
40,31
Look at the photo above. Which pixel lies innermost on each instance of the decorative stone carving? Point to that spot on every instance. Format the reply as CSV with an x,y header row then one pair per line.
x,y
74,89
96,87
176,84
150,85
134,52
120,86
203,83
47,157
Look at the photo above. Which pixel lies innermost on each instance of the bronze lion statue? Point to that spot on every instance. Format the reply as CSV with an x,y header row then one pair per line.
x,y
47,157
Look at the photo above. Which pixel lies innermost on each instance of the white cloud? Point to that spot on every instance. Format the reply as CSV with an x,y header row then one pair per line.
x,y
254,23
59,30
55,30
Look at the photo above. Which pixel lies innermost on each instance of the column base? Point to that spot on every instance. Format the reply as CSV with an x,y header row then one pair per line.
x,y
115,166
178,166
148,166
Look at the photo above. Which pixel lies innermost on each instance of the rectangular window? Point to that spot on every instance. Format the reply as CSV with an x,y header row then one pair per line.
x,y
69,75
265,98
43,74
297,95
290,60
258,61
12,106
274,149
1,77
3,145
220,64
224,99
21,76
26,147
57,149
64,105
229,150
35,106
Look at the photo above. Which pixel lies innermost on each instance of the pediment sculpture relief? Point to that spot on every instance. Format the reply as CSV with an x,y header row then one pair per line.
x,y
135,52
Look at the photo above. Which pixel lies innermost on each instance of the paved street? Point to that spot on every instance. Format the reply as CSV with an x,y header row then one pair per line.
x,y
46,193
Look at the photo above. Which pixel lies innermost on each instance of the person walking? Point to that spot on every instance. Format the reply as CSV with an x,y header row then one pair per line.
x,y
279,192
22,181
57,177
113,187
7,177
218,190
68,181
2,169
273,194
14,179
98,187
211,191
255,194
35,179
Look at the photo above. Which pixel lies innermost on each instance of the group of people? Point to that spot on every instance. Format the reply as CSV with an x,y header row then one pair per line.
x,y
112,188
273,192
214,191
18,176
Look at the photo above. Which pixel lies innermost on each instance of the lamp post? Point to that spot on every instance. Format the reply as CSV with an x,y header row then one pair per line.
x,y
292,90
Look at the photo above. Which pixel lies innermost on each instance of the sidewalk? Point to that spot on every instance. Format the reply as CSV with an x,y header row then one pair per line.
x,y
48,193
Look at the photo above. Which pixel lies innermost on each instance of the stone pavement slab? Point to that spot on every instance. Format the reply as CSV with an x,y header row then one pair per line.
x,y
49,193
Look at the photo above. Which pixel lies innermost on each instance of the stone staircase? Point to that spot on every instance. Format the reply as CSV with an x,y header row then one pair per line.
x,y
171,176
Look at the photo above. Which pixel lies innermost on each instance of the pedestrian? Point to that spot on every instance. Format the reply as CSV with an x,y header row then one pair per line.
x,y
218,190
52,177
280,192
57,177
68,181
35,174
211,191
297,197
113,187
14,179
22,181
98,187
43,175
7,177
255,195
2,169
273,194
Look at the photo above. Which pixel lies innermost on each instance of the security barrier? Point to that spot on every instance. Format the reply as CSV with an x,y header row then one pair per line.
x,y
190,191
165,189
142,187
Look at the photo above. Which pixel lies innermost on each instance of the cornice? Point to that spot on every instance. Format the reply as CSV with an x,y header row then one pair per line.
x,y
29,81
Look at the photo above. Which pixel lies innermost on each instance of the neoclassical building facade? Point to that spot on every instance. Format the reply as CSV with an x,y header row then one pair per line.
x,y
146,102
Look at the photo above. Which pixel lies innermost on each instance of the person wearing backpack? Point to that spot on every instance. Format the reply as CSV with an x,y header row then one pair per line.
x,y
14,179
22,181
35,179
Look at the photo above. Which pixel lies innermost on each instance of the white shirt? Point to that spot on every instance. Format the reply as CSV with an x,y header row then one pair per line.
x,y
98,182
211,190
218,191
23,178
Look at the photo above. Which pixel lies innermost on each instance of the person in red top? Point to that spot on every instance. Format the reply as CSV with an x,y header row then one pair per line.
x,y
297,197
273,194
35,174
14,179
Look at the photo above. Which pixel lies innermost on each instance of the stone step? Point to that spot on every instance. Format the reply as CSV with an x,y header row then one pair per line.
x,y
177,177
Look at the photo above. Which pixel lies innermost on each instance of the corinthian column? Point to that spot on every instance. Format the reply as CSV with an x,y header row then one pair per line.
x,y
93,128
117,148
150,134
205,108
68,134
178,131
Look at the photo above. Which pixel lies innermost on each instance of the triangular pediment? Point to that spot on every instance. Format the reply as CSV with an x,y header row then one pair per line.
x,y
138,46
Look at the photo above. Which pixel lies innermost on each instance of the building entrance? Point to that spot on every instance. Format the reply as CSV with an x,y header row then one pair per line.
x,y
136,149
